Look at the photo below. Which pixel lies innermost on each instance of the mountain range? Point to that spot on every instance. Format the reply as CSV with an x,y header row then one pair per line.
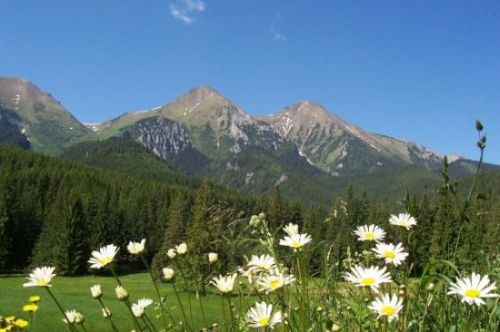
x,y
306,150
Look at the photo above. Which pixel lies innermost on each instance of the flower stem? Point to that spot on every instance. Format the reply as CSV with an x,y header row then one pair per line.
x,y
71,327
126,301
109,318
181,306
202,310
147,320
223,307
230,309
162,309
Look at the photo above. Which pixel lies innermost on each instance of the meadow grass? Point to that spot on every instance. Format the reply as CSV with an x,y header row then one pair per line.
x,y
74,293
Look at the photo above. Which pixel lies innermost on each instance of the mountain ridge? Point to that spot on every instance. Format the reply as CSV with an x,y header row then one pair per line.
x,y
304,148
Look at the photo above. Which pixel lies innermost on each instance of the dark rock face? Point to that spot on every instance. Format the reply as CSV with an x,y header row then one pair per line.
x,y
162,136
11,131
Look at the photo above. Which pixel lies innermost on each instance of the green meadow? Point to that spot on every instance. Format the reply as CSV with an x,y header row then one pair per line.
x,y
74,293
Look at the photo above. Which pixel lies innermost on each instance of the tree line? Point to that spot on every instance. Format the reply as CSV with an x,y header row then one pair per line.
x,y
55,212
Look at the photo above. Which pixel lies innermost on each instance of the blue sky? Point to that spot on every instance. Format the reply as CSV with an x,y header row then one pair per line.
x,y
418,70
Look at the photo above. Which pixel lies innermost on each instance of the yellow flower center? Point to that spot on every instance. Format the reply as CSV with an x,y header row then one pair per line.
x,y
264,321
388,310
43,282
370,236
389,254
367,281
105,260
295,244
474,293
274,284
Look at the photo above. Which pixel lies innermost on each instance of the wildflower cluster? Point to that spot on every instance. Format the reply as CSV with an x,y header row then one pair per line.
x,y
278,292
472,290
13,323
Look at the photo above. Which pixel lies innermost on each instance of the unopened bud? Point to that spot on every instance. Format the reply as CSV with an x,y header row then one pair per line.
x,y
479,125
168,273
430,287
335,327
121,293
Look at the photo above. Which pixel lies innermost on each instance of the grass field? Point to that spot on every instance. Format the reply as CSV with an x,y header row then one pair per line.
x,y
74,293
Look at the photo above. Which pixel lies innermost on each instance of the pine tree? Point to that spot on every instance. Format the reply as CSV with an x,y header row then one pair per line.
x,y
175,229
77,248
201,234
5,241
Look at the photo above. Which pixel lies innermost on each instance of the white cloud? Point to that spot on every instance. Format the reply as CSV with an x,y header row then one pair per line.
x,y
279,36
185,10
275,31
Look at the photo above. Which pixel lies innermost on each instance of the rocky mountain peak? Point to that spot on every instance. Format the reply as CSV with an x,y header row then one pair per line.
x,y
201,94
16,91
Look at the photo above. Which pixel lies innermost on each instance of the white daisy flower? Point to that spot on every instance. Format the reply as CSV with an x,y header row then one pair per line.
x,y
213,257
73,317
392,254
181,248
371,276
261,263
369,233
261,315
41,276
291,229
404,220
138,308
473,289
388,306
96,291
296,241
103,257
225,284
136,248
171,253
70,316
275,281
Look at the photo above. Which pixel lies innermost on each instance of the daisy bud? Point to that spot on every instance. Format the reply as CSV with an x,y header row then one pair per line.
x,y
254,221
213,257
181,248
106,313
96,291
401,292
136,248
121,293
168,273
430,287
171,253
79,318
479,125
335,327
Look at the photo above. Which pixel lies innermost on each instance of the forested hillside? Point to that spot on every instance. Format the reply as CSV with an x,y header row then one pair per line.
x,y
55,212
